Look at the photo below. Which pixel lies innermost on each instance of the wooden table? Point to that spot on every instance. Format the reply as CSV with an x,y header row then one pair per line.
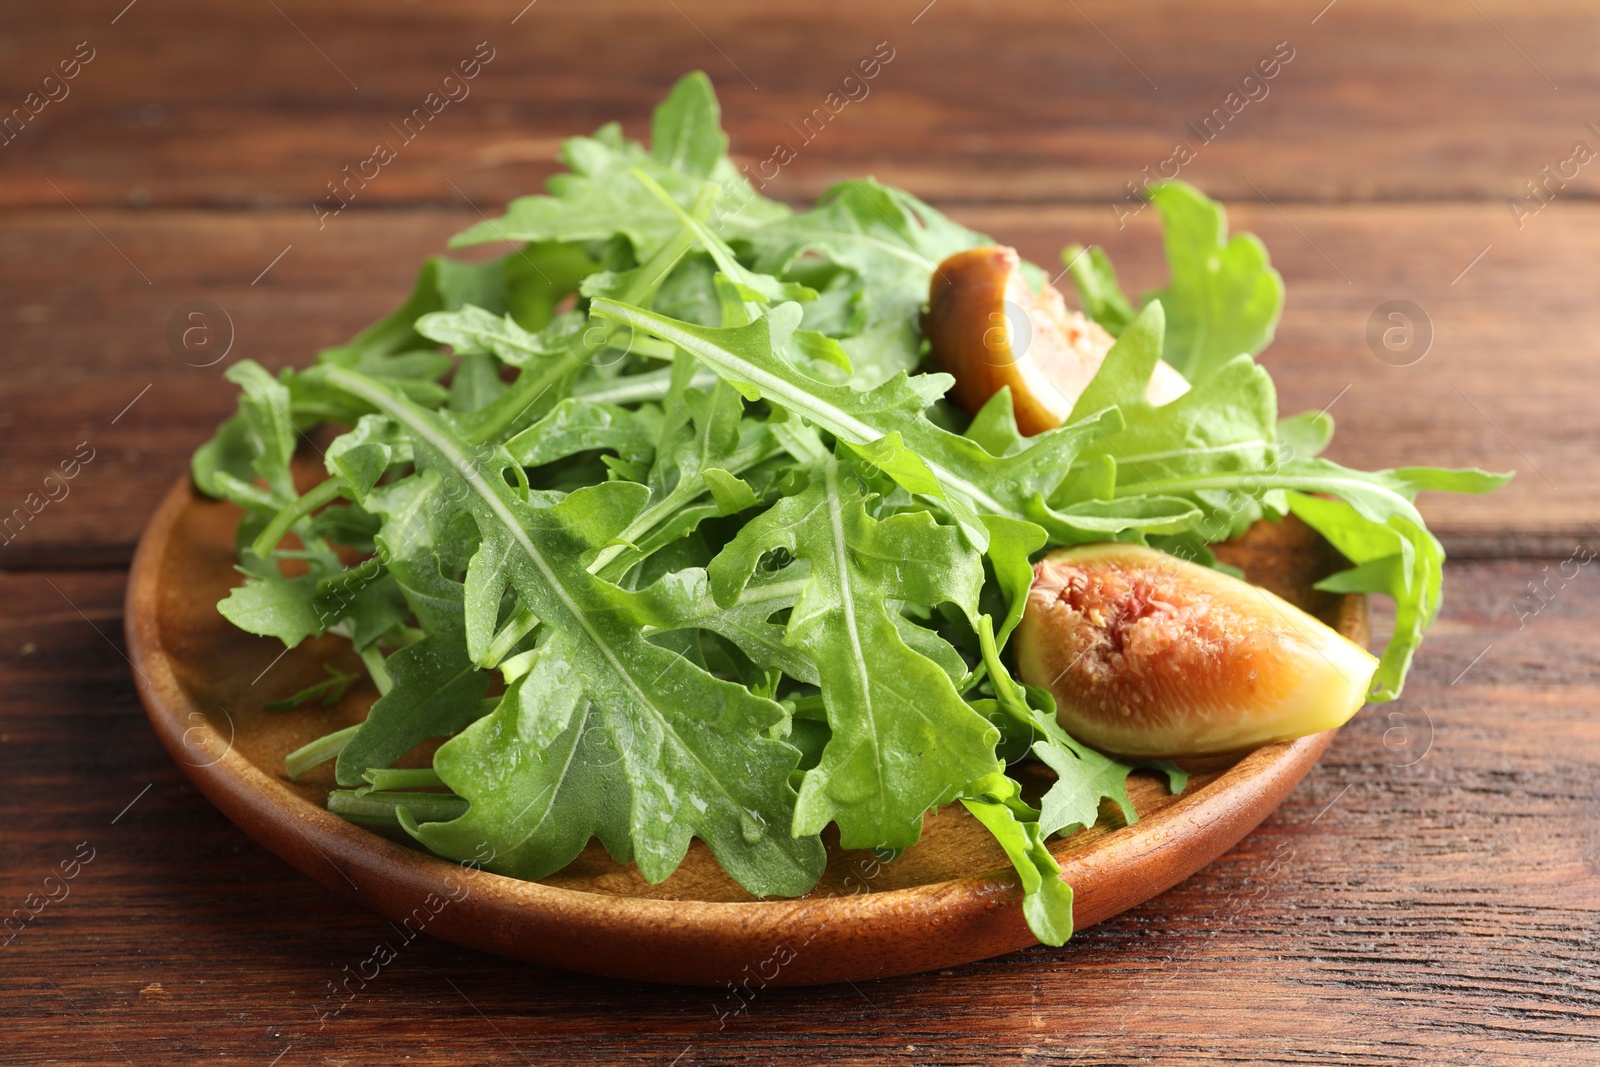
x,y
1428,895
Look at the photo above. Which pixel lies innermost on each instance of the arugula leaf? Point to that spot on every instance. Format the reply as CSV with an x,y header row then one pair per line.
x,y
274,606
1083,776
683,600
327,692
538,813
686,132
574,424
704,442
1046,900
903,740
600,198
1375,527
1305,435
259,441
1224,298
888,239
524,285
695,749
1098,288
442,285
546,360
1226,422
436,686
1012,544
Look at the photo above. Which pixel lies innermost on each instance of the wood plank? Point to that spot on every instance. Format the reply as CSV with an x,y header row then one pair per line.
x,y
1426,897
1024,101
1505,386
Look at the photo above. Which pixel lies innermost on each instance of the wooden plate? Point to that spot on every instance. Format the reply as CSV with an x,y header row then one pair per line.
x,y
949,900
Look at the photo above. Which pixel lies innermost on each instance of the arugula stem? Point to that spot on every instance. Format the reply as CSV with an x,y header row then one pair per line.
x,y
494,420
321,750
375,808
331,691
682,494
530,385
655,270
694,227
636,388
782,389
373,658
322,493
391,778
1258,480
516,628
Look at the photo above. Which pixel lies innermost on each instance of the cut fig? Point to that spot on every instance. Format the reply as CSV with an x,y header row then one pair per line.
x,y
988,330
1153,656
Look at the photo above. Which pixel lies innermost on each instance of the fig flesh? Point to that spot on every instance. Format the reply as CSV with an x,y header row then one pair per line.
x,y
988,330
1153,656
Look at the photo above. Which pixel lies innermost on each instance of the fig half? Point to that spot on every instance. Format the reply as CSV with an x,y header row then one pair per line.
x,y
989,330
1150,655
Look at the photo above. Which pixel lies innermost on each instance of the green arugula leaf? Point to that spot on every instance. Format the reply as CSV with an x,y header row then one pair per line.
x,y
1305,435
1083,776
476,384
534,815
888,239
686,132
435,685
1375,527
274,606
436,692
1012,544
1098,289
327,692
1224,298
525,285
903,740
259,441
600,198
683,600
547,360
1227,421
575,425
442,285
704,440
995,801
695,749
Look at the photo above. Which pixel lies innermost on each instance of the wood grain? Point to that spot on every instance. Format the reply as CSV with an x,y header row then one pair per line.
x,y
1432,912
1427,896
1505,385
1029,100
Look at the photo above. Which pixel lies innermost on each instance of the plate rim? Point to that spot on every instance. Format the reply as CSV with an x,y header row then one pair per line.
x,y
864,935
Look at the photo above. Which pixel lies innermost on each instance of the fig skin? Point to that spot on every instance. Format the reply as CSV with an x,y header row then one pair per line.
x,y
1152,656
979,304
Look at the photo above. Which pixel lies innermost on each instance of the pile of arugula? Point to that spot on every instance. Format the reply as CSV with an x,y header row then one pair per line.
x,y
686,547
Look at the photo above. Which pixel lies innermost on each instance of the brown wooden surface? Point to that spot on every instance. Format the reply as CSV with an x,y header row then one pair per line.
x,y
188,103
1441,911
